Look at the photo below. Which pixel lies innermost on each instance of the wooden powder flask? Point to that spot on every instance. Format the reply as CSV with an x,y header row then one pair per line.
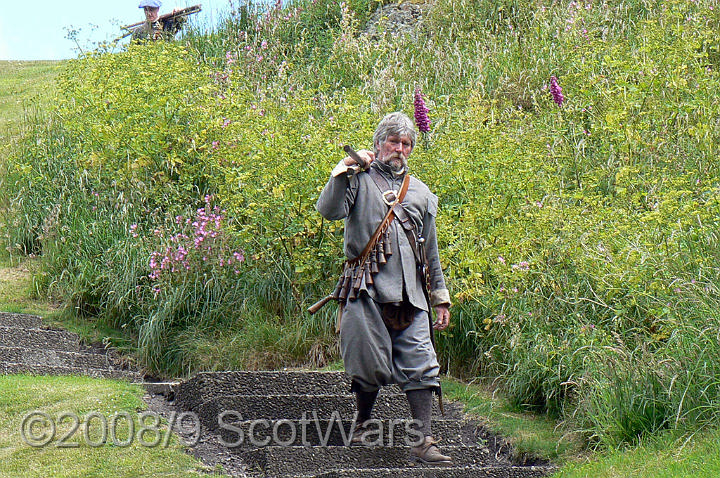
x,y
368,276
374,264
381,259
386,243
347,280
359,276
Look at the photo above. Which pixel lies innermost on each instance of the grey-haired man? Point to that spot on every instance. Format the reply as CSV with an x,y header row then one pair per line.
x,y
375,350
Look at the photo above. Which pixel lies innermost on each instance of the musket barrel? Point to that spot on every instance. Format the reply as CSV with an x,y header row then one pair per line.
x,y
353,154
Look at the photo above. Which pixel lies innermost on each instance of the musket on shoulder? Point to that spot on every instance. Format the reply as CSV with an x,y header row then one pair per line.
x,y
336,295
353,154
183,12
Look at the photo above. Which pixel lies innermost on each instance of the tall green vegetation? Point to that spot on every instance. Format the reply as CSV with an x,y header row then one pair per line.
x,y
171,193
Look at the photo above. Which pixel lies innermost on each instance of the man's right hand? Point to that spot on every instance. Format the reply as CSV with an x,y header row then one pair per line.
x,y
368,156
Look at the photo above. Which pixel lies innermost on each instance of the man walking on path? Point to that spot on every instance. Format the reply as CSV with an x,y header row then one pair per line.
x,y
385,334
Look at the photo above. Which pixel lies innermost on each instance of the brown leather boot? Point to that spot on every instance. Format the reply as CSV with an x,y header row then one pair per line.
x,y
358,434
428,453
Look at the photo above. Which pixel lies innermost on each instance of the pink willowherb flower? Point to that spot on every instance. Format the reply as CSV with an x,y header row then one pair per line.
x,y
421,113
556,91
204,246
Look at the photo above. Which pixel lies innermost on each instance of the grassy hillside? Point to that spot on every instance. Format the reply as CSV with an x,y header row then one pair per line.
x,y
24,87
579,234
20,84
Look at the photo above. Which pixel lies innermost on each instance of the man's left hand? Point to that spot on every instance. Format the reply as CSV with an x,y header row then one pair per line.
x,y
442,314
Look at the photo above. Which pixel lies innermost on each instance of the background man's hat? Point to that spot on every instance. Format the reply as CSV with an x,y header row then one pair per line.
x,y
150,3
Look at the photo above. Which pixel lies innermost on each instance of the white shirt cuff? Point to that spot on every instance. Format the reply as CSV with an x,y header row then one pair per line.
x,y
343,168
440,297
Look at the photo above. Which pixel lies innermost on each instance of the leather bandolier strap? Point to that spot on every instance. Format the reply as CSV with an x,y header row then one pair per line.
x,y
365,265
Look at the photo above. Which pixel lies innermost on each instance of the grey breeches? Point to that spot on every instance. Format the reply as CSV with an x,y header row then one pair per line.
x,y
375,356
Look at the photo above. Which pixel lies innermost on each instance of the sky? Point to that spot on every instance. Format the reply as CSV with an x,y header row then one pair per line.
x,y
37,30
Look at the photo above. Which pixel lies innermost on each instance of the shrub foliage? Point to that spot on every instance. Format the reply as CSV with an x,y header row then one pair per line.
x,y
579,237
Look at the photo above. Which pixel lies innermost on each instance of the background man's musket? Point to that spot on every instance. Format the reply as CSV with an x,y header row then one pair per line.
x,y
183,12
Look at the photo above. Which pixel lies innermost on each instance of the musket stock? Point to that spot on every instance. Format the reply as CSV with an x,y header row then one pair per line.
x,y
319,304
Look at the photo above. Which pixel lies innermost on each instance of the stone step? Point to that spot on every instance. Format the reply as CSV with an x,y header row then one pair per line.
x,y
39,339
166,389
440,472
19,368
33,356
294,461
255,433
253,407
208,385
24,321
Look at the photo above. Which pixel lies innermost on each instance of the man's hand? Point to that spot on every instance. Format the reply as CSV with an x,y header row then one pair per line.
x,y
368,156
442,313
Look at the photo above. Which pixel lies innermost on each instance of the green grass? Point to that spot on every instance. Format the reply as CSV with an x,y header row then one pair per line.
x,y
18,295
21,82
17,287
24,84
531,434
662,456
20,394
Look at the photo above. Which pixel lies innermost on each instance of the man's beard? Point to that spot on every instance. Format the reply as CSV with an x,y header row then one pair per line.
x,y
396,161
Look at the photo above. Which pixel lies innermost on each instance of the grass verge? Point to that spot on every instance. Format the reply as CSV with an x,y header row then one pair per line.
x,y
18,295
17,287
666,455
531,434
81,396
21,84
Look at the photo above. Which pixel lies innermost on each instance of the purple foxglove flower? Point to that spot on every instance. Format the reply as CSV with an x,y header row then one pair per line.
x,y
421,113
556,91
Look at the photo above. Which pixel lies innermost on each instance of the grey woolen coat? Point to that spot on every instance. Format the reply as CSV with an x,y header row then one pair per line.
x,y
372,354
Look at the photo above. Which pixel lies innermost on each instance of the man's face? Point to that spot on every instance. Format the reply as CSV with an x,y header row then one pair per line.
x,y
151,13
394,151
